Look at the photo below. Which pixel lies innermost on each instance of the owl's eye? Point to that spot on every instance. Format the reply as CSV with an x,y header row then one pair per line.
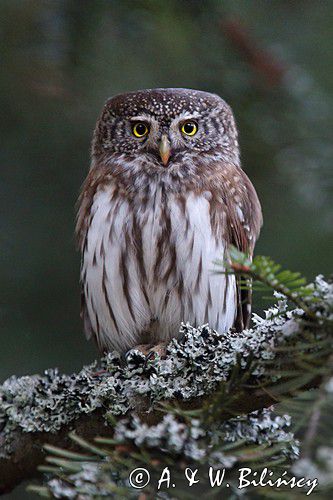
x,y
189,128
140,129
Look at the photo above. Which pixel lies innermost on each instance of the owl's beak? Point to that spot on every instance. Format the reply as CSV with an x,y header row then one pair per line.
x,y
165,149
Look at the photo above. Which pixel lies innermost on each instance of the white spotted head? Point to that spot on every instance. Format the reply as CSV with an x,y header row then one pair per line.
x,y
160,125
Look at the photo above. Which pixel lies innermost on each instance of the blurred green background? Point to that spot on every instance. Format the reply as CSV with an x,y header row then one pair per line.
x,y
60,60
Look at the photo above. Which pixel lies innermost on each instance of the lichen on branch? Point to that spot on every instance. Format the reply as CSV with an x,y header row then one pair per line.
x,y
206,376
195,365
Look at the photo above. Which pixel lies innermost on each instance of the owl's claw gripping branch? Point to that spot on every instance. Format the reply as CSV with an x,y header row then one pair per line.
x,y
151,350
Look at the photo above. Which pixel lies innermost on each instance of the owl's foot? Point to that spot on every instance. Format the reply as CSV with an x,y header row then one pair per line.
x,y
151,350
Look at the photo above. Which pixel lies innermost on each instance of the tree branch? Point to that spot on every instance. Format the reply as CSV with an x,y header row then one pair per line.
x,y
219,375
27,448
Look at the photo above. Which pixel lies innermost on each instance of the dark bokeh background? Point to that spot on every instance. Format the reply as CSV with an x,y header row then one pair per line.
x,y
60,60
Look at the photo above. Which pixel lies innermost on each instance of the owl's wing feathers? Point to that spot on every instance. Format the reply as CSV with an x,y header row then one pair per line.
x,y
245,221
95,179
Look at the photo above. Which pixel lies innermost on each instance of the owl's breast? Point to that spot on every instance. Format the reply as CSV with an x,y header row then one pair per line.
x,y
177,235
153,260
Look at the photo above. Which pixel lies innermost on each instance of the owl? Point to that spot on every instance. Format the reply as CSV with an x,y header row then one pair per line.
x,y
164,199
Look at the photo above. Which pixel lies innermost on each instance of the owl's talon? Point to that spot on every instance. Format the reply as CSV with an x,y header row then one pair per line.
x,y
159,349
150,355
100,373
151,350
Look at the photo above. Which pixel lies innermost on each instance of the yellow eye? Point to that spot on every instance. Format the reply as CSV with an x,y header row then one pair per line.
x,y
189,128
140,129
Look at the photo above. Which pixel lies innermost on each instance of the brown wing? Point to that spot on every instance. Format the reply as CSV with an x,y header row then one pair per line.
x,y
245,221
95,178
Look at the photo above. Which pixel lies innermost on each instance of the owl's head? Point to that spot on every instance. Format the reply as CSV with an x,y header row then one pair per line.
x,y
161,125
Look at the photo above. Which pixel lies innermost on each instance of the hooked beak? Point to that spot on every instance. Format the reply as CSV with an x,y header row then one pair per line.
x,y
165,149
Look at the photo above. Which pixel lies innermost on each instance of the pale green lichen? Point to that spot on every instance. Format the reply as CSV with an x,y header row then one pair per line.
x,y
196,443
194,366
191,441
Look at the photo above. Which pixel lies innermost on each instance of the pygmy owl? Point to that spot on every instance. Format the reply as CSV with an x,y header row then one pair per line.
x,y
165,198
